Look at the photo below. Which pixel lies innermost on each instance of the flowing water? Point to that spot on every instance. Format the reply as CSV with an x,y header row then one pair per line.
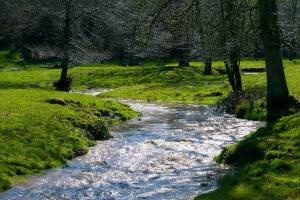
x,y
167,154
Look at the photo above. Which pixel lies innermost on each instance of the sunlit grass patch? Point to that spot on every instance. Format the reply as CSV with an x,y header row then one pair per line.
x,y
42,129
152,82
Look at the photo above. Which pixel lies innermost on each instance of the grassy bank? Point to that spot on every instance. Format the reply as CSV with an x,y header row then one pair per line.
x,y
268,160
268,164
41,129
167,83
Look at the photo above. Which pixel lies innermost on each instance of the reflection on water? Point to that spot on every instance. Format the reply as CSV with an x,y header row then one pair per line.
x,y
167,154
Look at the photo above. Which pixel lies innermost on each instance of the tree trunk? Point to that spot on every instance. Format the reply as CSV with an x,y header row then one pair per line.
x,y
64,67
208,66
231,54
183,54
238,78
230,75
278,94
66,43
184,63
235,67
64,83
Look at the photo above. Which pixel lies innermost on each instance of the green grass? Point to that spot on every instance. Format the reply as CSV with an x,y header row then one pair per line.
x,y
34,119
41,129
148,83
168,83
268,164
253,105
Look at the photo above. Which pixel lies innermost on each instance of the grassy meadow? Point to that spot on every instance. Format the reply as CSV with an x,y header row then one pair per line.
x,y
166,83
41,128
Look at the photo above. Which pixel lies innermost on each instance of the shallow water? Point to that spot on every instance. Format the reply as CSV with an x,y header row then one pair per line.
x,y
92,91
167,154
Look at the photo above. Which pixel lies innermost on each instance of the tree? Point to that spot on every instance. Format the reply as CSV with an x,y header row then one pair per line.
x,y
225,31
206,34
289,14
13,20
277,90
78,34
73,11
227,18
232,35
65,82
169,17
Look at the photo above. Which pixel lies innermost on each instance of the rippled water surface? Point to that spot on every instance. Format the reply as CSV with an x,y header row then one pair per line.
x,y
167,154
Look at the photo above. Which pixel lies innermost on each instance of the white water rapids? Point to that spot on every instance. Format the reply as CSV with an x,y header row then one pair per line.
x,y
167,154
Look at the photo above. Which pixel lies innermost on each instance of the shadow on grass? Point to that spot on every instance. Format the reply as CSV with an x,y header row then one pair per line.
x,y
246,151
10,85
268,164
124,76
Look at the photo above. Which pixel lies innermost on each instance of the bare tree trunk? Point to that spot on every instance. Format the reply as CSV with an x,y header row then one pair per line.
x,y
223,41
208,65
66,43
231,55
235,67
237,75
184,63
230,75
183,56
278,93
64,83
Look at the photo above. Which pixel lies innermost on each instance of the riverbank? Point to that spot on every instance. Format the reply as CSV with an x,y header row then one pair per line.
x,y
167,83
42,129
268,163
166,154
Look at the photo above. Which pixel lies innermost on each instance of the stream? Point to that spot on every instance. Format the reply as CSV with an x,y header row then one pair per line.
x,y
167,154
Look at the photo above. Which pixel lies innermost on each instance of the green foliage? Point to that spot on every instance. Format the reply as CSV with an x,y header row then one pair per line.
x,y
268,161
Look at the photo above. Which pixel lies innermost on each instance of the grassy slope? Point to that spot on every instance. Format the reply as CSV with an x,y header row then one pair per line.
x,y
150,83
40,128
258,179
168,84
268,162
